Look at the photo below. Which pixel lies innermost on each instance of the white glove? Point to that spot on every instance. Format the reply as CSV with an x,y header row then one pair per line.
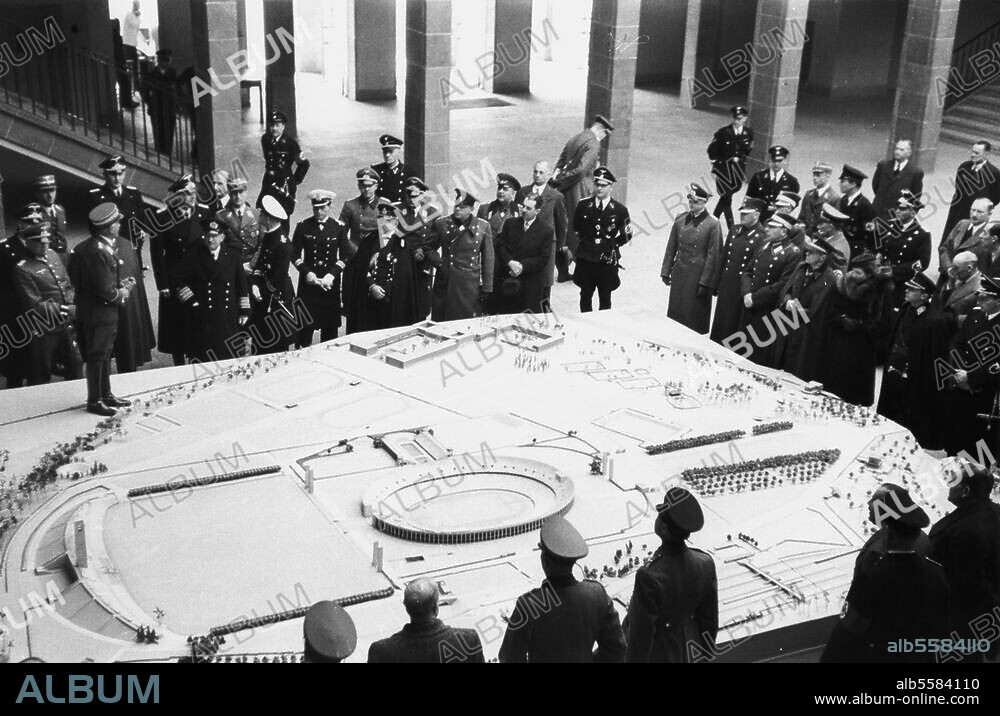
x,y
255,290
378,292
748,301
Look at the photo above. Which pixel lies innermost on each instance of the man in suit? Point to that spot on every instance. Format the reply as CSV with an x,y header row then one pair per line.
x,y
893,176
730,147
603,226
285,165
524,252
211,284
691,267
823,192
126,198
978,178
562,620
551,212
970,234
959,293
55,214
239,219
768,183
426,639
859,211
392,172
967,544
573,176
673,616
95,269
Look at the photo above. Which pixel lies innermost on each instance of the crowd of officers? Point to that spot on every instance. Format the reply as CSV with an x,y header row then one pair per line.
x,y
222,265
829,285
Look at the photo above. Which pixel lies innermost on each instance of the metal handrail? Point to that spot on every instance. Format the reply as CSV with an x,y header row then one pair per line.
x,y
964,78
80,90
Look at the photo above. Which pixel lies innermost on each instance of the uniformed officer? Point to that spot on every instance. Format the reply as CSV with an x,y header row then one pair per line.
x,y
504,206
211,285
563,619
822,192
271,286
762,281
465,266
47,296
831,219
967,544
182,217
896,594
240,221
740,248
905,244
360,217
392,173
602,226
391,277
673,616
96,272
730,147
321,251
285,165
126,198
329,634
419,213
13,352
858,228
54,214
768,183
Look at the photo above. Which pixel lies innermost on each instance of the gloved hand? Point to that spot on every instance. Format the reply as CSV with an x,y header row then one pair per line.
x,y
703,291
255,291
666,280
748,301
378,292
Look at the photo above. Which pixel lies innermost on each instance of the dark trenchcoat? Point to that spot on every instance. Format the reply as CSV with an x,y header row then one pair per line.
x,y
807,287
560,622
220,287
533,249
466,269
740,249
673,616
691,263
135,338
166,251
763,279
966,543
430,643
355,283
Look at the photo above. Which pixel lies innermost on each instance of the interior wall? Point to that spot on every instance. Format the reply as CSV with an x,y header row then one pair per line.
x,y
660,42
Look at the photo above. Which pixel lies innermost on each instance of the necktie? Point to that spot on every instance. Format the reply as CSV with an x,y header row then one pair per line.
x,y
896,170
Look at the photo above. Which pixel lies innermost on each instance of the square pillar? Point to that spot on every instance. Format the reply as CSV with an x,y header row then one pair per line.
x,y
218,117
371,37
614,27
175,31
700,48
428,70
779,36
279,76
928,41
512,46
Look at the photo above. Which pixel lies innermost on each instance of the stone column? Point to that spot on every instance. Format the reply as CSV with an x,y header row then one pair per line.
x,y
3,216
428,66
218,116
928,41
174,31
614,28
371,36
779,34
279,82
512,46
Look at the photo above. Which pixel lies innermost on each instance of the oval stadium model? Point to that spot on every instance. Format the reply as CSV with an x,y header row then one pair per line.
x,y
448,502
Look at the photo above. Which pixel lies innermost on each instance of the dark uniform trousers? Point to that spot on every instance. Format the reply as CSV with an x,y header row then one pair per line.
x,y
95,270
601,233
560,622
320,248
45,288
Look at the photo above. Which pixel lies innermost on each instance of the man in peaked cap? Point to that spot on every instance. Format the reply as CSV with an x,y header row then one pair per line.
x,y
829,227
574,171
563,619
497,212
896,594
768,183
464,280
859,211
14,364
673,615
392,172
285,165
320,250
240,221
271,286
822,192
741,246
602,227
920,339
128,199
728,151
691,263
101,289
212,286
360,216
329,634
45,194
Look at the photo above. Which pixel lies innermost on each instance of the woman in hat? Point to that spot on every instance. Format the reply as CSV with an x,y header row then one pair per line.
x,y
391,276
728,151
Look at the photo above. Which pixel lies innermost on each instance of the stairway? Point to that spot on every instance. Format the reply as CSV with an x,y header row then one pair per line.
x,y
975,118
